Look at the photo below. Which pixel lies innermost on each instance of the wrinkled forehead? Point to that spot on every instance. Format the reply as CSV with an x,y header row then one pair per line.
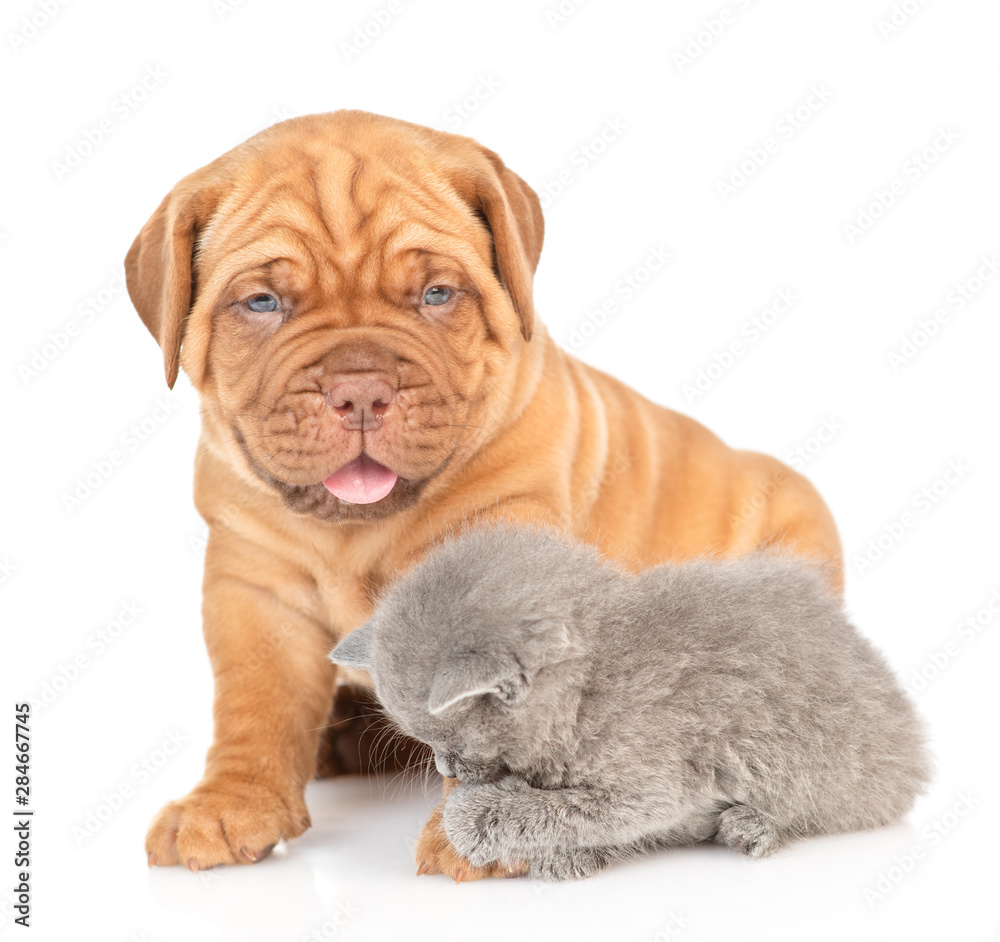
x,y
338,211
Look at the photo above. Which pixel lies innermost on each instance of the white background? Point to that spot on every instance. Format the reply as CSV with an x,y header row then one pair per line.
x,y
216,75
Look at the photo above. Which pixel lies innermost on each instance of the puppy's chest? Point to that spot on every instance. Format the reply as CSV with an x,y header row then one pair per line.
x,y
347,599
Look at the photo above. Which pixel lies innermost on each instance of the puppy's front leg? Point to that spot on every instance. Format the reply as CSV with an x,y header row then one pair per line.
x,y
273,686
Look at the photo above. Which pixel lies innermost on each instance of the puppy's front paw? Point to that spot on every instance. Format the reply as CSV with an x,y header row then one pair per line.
x,y
223,822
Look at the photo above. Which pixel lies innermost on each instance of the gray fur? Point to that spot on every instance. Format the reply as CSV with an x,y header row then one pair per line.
x,y
591,714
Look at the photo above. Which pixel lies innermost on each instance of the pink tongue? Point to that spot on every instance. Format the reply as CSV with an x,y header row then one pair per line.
x,y
363,481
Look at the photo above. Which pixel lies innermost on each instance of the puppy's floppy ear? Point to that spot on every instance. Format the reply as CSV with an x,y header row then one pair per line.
x,y
470,675
158,267
514,214
356,649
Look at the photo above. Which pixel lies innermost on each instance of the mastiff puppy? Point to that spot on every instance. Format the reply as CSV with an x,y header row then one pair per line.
x,y
351,296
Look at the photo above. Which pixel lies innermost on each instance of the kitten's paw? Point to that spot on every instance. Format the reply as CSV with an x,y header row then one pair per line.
x,y
474,823
747,831
436,854
570,864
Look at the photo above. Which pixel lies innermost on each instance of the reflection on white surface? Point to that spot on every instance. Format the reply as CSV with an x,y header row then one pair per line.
x,y
352,876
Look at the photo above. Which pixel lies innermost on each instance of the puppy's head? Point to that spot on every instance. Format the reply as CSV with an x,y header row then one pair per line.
x,y
346,292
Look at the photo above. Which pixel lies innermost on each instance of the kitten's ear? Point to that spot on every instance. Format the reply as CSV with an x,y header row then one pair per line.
x,y
473,674
356,649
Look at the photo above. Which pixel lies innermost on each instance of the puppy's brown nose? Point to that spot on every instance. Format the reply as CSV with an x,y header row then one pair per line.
x,y
361,400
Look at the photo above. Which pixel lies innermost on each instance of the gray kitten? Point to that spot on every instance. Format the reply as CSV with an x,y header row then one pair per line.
x,y
591,714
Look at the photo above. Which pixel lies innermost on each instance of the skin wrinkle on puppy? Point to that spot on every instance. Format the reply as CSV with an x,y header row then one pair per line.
x,y
591,714
347,219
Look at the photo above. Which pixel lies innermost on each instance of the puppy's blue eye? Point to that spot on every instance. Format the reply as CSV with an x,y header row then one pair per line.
x,y
262,303
437,295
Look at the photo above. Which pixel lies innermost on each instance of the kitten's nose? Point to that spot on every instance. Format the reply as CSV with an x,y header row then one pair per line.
x,y
442,765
